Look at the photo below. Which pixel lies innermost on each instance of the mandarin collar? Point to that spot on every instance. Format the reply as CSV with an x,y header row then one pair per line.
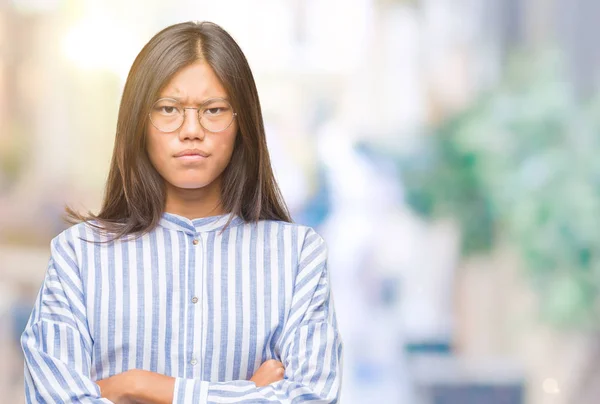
x,y
200,225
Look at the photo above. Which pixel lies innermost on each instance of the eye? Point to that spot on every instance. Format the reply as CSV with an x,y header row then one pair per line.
x,y
168,110
213,111
215,108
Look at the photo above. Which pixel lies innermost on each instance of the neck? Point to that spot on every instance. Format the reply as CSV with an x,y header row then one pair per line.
x,y
194,203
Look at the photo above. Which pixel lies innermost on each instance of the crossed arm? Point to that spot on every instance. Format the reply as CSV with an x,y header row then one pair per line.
x,y
57,347
143,387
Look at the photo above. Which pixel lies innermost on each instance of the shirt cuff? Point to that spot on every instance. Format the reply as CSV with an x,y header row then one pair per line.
x,y
190,391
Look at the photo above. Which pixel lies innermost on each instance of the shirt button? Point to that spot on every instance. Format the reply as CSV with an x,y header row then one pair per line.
x,y
194,300
195,242
193,362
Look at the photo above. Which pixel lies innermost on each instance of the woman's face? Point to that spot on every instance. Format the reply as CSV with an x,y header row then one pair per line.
x,y
190,157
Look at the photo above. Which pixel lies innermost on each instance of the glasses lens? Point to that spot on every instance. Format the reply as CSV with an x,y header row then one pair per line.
x,y
166,115
216,115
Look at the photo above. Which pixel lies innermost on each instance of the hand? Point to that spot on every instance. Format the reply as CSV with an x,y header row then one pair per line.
x,y
269,372
118,388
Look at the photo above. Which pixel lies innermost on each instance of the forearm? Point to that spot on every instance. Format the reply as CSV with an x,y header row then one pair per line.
x,y
145,387
152,388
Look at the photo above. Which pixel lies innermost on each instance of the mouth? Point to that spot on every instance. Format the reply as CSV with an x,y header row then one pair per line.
x,y
191,155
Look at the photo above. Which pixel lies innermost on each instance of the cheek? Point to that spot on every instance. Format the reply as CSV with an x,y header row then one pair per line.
x,y
156,153
223,148
229,141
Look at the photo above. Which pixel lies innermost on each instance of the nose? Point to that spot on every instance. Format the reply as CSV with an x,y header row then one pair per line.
x,y
191,128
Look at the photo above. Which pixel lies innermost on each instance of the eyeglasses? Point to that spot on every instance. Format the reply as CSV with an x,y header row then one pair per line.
x,y
215,115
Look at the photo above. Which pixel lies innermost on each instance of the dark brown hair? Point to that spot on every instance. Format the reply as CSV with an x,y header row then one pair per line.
x,y
135,195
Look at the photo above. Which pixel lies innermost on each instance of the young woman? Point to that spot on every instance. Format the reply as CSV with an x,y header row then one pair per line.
x,y
191,285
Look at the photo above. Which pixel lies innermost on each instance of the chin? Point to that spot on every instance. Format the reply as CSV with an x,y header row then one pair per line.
x,y
195,183
191,179
190,185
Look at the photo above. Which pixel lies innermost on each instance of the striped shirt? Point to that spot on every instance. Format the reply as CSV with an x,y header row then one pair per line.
x,y
192,299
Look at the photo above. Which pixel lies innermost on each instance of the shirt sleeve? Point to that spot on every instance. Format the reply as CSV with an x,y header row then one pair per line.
x,y
56,342
310,346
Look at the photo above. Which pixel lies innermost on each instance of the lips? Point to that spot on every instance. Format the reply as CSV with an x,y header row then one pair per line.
x,y
190,153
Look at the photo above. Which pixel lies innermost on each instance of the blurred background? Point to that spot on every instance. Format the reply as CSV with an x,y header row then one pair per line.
x,y
445,149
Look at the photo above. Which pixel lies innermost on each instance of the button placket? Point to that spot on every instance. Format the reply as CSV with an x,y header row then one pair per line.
x,y
197,249
195,242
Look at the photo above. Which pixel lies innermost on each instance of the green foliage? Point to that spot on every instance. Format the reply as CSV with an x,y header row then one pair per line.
x,y
522,163
12,155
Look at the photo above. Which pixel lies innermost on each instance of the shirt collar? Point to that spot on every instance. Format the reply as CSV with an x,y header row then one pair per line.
x,y
200,225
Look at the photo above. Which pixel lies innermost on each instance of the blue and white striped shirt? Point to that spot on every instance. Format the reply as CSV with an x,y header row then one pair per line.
x,y
188,301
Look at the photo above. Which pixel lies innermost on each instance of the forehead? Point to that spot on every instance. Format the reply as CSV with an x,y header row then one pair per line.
x,y
194,83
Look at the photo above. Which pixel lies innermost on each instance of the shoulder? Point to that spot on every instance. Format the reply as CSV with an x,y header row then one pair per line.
x,y
72,240
304,242
68,237
74,251
301,234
